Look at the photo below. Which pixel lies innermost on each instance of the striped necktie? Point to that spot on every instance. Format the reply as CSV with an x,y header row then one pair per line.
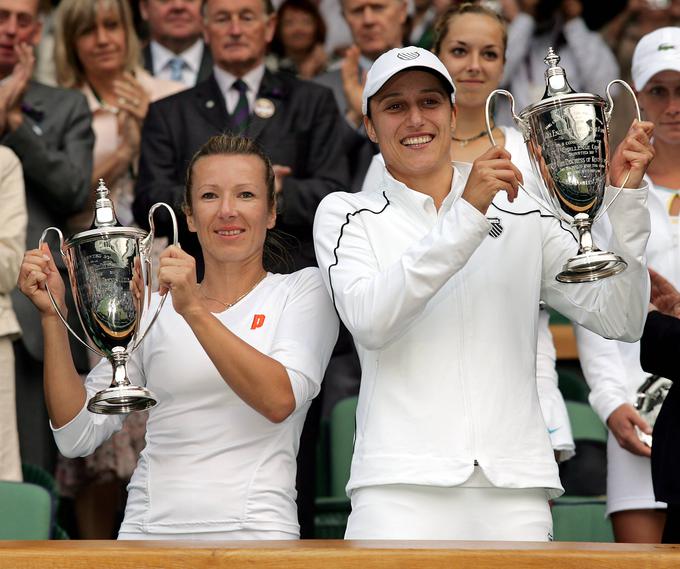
x,y
176,67
241,113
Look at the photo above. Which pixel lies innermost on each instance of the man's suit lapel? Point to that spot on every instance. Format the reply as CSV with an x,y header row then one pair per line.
x,y
34,106
210,103
271,89
206,67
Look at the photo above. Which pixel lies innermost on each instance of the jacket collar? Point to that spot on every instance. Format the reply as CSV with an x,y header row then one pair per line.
x,y
210,102
33,105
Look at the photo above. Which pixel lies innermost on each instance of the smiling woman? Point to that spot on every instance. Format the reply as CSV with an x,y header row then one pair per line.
x,y
236,360
437,270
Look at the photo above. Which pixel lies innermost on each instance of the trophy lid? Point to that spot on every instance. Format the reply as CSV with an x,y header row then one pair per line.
x,y
555,77
558,91
105,221
104,212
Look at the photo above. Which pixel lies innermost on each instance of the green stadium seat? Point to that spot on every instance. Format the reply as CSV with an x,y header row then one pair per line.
x,y
25,511
581,519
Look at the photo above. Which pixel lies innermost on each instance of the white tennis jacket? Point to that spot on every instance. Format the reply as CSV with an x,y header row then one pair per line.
x,y
443,307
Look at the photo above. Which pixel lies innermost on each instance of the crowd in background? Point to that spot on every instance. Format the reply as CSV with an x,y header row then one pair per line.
x,y
128,90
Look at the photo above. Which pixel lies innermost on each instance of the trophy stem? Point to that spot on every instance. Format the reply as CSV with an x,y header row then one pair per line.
x,y
590,264
583,223
121,396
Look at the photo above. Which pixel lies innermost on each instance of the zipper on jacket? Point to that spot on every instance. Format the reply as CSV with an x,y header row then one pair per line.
x,y
461,370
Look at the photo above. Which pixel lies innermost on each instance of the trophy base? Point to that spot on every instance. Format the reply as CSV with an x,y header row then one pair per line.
x,y
591,266
121,400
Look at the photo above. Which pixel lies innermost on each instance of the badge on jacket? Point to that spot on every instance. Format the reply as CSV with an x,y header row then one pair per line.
x,y
264,108
496,227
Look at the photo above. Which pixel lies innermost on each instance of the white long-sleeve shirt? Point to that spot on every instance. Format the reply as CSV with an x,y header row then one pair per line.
x,y
445,317
550,398
211,462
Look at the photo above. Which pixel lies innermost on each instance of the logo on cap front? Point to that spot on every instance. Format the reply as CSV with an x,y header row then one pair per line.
x,y
665,47
408,55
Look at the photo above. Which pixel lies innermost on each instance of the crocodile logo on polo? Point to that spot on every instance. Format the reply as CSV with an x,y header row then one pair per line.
x,y
666,47
408,55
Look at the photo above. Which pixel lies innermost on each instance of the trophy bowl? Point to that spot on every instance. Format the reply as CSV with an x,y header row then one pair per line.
x,y
110,270
567,138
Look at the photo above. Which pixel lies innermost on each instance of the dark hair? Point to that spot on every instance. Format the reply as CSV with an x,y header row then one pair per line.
x,y
306,6
441,26
275,254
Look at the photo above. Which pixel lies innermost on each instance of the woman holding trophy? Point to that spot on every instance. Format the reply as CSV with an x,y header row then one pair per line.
x,y
234,360
437,271
613,369
470,40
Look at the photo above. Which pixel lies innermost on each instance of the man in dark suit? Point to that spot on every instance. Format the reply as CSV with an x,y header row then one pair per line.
x,y
297,123
176,50
50,131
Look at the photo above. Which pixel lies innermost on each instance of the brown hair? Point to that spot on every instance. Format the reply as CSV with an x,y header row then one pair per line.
x,y
306,6
275,251
441,26
73,19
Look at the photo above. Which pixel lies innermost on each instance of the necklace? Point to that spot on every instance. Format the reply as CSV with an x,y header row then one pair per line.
x,y
464,141
226,305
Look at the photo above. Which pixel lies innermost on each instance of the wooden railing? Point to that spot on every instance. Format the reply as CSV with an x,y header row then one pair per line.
x,y
333,554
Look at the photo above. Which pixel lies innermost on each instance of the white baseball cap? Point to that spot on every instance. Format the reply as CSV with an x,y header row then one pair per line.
x,y
657,51
398,60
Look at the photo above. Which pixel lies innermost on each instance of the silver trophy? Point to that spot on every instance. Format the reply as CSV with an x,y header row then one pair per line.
x,y
648,401
109,268
567,136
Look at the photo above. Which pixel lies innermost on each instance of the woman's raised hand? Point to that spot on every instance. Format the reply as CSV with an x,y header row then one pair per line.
x,y
633,155
177,274
37,270
492,172
132,98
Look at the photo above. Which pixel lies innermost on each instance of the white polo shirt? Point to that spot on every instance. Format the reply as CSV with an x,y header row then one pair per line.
x,y
211,462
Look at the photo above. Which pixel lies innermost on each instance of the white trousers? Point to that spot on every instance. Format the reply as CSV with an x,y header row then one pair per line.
x,y
474,511
10,462
629,480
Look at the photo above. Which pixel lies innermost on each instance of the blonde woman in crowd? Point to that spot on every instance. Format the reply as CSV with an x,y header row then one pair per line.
x,y
98,52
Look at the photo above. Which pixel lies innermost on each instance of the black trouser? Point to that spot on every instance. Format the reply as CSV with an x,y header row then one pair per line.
x,y
671,531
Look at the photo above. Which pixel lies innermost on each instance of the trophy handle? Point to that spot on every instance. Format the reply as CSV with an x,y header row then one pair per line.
x,y
49,292
609,109
147,241
523,126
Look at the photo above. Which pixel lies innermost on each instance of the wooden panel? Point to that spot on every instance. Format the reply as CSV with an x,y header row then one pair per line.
x,y
333,554
565,341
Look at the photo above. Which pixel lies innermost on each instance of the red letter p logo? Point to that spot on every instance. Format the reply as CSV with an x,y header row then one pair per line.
x,y
258,321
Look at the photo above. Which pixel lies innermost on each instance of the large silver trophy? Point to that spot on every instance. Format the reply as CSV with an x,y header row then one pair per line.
x,y
567,136
110,270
